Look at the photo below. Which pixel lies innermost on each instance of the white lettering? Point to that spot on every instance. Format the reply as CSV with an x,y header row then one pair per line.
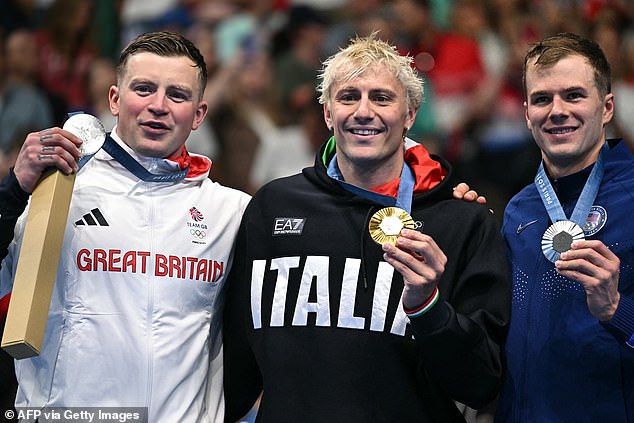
x,y
283,266
381,296
315,268
257,281
347,319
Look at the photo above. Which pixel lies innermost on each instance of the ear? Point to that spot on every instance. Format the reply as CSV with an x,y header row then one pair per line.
x,y
328,117
409,120
528,122
113,99
201,112
608,108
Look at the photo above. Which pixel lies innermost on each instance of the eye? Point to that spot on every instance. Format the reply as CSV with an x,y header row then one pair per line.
x,y
179,96
347,97
381,98
540,100
143,89
575,95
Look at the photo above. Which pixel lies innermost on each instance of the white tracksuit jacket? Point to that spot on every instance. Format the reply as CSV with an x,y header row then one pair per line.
x,y
135,319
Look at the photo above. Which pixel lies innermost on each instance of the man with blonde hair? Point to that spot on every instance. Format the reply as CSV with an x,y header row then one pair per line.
x,y
361,290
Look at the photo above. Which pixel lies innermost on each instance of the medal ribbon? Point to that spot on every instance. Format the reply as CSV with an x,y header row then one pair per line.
x,y
119,154
584,203
403,199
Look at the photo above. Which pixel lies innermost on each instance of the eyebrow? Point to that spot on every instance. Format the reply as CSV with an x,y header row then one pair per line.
x,y
372,91
566,90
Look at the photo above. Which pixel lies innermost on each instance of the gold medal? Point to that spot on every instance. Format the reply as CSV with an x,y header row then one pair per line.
x,y
386,224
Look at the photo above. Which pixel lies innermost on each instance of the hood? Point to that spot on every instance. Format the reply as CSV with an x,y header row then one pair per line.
x,y
433,174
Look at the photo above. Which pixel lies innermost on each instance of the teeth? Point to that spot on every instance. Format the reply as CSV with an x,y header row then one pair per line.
x,y
364,131
561,130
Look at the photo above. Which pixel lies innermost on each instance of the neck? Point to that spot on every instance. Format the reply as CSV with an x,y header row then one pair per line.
x,y
560,168
369,177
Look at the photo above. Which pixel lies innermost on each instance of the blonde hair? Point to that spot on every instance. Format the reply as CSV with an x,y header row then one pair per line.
x,y
365,53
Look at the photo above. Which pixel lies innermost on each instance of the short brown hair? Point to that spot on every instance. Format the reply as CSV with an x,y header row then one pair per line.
x,y
551,50
166,44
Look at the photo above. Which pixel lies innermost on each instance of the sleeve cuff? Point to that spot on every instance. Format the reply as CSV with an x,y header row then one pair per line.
x,y
622,323
427,305
13,199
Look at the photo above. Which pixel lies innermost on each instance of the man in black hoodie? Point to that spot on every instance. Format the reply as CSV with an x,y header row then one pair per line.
x,y
361,291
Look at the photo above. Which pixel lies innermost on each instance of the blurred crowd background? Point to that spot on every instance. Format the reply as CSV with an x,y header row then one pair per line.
x,y
263,57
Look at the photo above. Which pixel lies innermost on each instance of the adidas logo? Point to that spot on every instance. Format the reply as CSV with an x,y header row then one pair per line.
x,y
94,218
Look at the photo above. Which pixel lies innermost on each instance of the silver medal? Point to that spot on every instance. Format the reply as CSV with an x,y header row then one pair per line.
x,y
89,129
559,237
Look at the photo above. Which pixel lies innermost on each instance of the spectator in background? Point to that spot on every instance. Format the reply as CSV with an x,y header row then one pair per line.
x,y
624,91
101,76
22,105
297,56
238,121
204,140
347,21
452,63
501,143
65,52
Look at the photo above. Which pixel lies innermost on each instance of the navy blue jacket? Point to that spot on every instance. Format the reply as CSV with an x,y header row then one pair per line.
x,y
563,364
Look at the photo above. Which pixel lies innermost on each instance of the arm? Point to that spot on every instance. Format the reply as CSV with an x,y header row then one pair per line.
x,y
462,333
13,201
40,150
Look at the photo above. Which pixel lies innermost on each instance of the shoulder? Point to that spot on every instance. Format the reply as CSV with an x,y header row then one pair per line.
x,y
285,186
223,193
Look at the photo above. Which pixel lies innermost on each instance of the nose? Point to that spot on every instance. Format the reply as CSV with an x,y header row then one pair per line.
x,y
364,111
158,105
558,109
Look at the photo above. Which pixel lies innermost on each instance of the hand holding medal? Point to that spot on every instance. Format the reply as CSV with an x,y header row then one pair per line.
x,y
415,255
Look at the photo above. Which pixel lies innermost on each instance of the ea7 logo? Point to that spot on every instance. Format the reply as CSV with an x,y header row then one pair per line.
x,y
288,226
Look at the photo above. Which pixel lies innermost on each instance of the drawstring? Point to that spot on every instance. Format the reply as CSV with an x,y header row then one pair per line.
x,y
363,235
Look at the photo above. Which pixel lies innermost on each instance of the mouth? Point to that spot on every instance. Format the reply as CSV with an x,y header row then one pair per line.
x,y
365,132
155,125
561,130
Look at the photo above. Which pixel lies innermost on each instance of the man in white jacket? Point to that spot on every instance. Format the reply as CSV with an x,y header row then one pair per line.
x,y
134,318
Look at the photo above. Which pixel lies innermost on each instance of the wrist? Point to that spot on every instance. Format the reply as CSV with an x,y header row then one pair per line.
x,y
424,307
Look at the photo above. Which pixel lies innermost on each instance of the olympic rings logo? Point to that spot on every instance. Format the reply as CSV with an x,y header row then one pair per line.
x,y
198,233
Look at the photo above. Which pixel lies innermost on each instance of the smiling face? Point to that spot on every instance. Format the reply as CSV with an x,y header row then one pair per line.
x,y
369,115
157,102
566,114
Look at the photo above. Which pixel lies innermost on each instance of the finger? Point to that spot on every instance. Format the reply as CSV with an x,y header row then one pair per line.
x,y
460,190
415,271
593,251
62,139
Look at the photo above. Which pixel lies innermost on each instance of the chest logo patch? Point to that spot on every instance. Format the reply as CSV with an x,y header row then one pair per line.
x,y
288,226
197,227
595,221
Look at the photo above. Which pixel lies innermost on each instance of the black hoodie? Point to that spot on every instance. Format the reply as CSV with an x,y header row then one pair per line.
x,y
313,313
